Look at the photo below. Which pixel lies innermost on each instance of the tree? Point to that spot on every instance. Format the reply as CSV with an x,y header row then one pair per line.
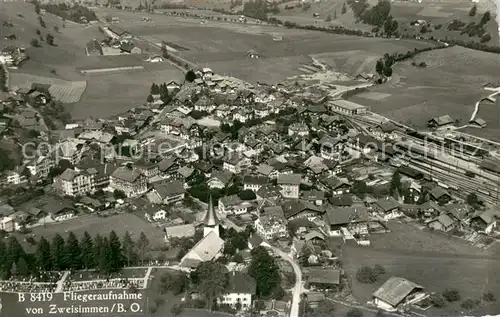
x,y
37,7
247,194
155,89
451,295
43,255
142,246
56,29
38,32
190,76
473,200
35,43
395,187
344,8
325,308
116,258
335,14
22,267
58,256
378,270
486,38
366,275
73,252
486,17
164,50
128,248
379,67
328,18
119,194
175,310
437,300
355,312
50,39
86,247
489,297
468,304
6,162
42,22
265,271
150,98
473,11
210,279
387,71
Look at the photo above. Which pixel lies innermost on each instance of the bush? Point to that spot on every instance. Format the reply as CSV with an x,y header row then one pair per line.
x,y
489,297
35,43
451,295
378,270
437,300
366,275
469,304
355,312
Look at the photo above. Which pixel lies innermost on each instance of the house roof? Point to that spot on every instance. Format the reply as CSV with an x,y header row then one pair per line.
x,y
387,204
488,216
126,174
68,175
54,206
255,180
442,120
241,283
444,219
345,215
324,276
186,230
292,208
166,163
289,179
223,176
169,189
395,289
255,240
438,192
314,234
206,249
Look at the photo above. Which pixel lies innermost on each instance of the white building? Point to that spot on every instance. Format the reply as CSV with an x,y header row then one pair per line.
x,y
271,224
241,288
290,185
75,183
254,183
298,129
233,205
347,107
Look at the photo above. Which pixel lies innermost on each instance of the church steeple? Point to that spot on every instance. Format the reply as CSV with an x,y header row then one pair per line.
x,y
211,222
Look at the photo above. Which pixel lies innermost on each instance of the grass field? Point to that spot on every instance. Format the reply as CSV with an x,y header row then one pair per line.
x,y
99,225
223,46
451,84
430,259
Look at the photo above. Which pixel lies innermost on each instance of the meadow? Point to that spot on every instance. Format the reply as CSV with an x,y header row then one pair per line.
x,y
451,83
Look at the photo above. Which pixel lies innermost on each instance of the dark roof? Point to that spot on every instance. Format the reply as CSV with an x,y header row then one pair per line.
x,y
167,163
257,180
387,204
345,215
210,219
203,166
491,164
292,208
224,176
169,189
54,206
344,200
395,290
438,192
323,276
126,174
241,283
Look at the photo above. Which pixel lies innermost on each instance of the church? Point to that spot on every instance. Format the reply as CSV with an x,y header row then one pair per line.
x,y
210,246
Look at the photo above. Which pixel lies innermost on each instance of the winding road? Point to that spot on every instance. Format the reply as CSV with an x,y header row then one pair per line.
x,y
298,288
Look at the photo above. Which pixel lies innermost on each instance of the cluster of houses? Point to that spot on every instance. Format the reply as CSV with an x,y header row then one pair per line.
x,y
294,154
13,56
116,42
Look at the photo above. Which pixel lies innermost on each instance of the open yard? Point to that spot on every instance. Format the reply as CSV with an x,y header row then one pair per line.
x,y
100,225
451,84
430,259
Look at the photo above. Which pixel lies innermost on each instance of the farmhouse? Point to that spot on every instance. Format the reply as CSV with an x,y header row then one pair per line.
x,y
219,179
58,210
442,223
353,219
296,209
254,183
130,48
485,221
233,205
167,193
440,122
347,107
478,122
397,292
323,279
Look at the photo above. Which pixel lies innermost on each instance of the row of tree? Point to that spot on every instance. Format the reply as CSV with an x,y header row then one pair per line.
x,y
106,254
161,90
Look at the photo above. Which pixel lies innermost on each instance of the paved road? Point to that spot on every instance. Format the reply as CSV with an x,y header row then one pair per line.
x,y
297,289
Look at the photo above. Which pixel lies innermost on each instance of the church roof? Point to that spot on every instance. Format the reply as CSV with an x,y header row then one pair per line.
x,y
211,219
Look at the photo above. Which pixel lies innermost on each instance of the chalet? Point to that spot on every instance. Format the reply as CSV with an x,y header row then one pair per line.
x,y
441,122
485,221
58,210
239,292
442,223
388,207
256,241
301,209
167,193
440,195
330,148
336,185
173,85
320,279
220,179
235,163
353,219
254,183
341,201
315,237
267,171
154,213
316,197
204,167
397,292
233,205
168,166
298,130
